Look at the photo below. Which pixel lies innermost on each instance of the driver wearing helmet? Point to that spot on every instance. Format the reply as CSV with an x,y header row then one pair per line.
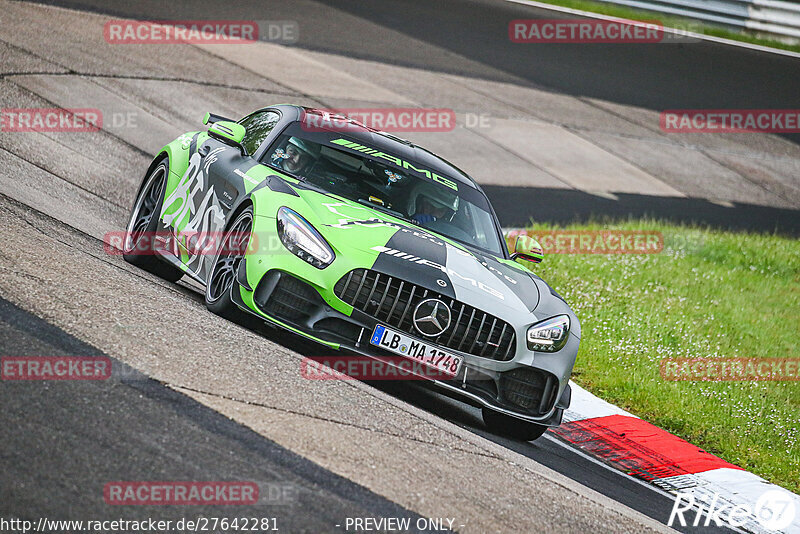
x,y
298,157
429,203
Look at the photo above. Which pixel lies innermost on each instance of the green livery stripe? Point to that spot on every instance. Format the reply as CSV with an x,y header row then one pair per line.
x,y
254,176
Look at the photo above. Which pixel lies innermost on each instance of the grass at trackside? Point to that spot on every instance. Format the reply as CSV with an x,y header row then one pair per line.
x,y
709,293
669,21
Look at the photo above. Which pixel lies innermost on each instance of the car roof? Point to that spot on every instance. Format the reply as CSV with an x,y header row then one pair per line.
x,y
387,142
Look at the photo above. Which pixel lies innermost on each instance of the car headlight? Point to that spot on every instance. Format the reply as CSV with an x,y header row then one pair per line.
x,y
303,240
549,335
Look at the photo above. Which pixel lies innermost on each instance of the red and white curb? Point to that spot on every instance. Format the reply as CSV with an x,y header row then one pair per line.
x,y
644,451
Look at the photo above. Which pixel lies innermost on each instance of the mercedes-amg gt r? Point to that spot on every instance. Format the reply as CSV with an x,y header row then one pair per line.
x,y
366,244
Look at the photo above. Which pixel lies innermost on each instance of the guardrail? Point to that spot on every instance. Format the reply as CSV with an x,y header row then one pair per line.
x,y
775,18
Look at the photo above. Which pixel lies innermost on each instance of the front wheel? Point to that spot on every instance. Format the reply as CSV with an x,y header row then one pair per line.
x,y
138,248
505,425
222,275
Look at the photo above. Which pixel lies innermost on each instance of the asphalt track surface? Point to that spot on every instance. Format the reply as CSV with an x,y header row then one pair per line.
x,y
60,443
703,75
132,427
164,434
469,38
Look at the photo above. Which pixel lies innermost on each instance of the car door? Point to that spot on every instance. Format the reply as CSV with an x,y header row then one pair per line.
x,y
209,190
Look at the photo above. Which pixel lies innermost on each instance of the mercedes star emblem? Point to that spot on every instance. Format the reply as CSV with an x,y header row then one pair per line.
x,y
431,317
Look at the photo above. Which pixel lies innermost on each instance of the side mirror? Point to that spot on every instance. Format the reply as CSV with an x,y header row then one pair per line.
x,y
528,249
226,131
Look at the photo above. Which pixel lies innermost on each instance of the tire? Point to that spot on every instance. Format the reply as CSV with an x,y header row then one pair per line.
x,y
511,427
222,274
138,246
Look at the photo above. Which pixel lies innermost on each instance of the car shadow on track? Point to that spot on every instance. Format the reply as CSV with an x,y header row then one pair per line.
x,y
548,450
413,392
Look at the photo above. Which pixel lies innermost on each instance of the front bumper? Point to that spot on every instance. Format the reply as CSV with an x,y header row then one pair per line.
x,y
512,387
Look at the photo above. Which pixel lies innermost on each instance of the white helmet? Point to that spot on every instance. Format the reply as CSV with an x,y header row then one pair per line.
x,y
437,195
308,148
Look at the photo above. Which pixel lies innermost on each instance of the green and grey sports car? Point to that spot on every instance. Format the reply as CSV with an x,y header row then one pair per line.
x,y
366,244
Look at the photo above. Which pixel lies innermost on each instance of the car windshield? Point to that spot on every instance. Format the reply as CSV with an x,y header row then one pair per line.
x,y
387,183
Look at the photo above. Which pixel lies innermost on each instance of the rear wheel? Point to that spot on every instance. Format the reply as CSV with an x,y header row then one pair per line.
x,y
138,248
222,275
505,425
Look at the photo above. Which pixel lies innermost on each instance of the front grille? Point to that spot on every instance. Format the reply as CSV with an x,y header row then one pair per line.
x,y
529,389
392,301
291,300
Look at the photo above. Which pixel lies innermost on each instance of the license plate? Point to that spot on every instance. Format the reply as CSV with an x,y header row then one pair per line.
x,y
416,350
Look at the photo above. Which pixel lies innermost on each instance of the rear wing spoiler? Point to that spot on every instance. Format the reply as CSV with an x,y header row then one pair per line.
x,y
211,118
